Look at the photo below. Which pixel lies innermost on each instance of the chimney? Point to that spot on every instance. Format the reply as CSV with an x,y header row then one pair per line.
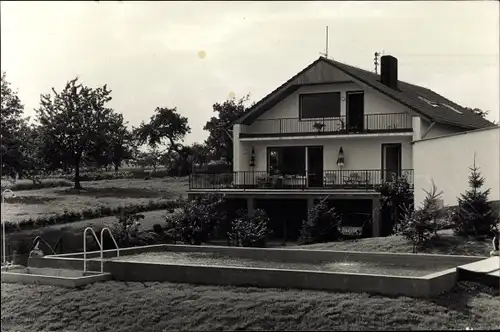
x,y
389,71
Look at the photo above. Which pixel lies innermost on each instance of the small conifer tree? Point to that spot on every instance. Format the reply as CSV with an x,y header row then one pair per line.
x,y
475,216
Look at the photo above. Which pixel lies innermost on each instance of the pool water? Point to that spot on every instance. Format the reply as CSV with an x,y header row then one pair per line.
x,y
198,258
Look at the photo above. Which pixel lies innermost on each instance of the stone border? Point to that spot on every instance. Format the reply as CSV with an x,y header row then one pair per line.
x,y
17,276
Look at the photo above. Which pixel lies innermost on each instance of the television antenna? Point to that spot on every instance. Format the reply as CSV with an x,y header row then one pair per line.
x,y
325,54
375,61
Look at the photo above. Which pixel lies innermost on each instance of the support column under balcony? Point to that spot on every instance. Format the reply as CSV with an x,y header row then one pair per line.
x,y
310,205
250,204
376,225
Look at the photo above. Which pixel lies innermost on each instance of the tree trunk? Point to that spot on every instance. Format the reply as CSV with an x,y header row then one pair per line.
x,y
77,176
116,168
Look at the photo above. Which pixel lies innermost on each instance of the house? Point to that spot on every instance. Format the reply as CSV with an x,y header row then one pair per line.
x,y
332,131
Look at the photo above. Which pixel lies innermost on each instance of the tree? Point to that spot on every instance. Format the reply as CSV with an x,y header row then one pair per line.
x,y
114,145
72,123
475,215
32,163
219,140
151,158
200,154
166,127
478,111
12,123
420,224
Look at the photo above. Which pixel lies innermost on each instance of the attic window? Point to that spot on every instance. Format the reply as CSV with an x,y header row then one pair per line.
x,y
433,104
452,108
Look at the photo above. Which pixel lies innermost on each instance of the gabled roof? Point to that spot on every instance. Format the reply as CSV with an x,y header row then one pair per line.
x,y
425,102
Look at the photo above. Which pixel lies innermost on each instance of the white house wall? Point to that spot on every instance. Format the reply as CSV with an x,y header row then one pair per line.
x,y
446,161
359,153
438,129
375,103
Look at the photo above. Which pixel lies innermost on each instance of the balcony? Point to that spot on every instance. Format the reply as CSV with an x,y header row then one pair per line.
x,y
337,179
370,123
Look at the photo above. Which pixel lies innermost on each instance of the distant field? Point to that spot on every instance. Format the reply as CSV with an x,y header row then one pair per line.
x,y
41,202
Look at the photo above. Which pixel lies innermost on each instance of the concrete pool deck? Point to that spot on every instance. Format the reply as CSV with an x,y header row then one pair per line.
x,y
429,285
51,276
486,271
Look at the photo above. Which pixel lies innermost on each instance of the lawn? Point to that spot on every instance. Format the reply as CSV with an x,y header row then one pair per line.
x,y
41,202
120,306
447,244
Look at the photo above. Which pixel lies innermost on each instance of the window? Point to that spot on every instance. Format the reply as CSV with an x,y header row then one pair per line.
x,y
452,108
319,105
287,160
433,104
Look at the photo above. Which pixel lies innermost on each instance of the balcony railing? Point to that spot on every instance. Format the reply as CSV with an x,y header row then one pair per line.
x,y
371,123
336,179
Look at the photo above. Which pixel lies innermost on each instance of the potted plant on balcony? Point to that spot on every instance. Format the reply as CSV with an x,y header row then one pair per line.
x,y
319,126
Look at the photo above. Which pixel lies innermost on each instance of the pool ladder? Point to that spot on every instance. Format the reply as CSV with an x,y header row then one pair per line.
x,y
99,243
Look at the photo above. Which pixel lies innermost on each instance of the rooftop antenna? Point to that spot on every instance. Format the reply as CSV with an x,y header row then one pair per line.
x,y
326,44
375,61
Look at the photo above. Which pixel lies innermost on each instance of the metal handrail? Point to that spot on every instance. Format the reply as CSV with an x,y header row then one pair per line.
x,y
85,246
39,239
102,246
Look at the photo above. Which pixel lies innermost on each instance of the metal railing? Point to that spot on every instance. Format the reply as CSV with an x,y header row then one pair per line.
x,y
389,122
102,246
328,179
99,243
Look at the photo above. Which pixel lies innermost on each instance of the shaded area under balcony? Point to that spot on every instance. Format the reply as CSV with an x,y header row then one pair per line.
x,y
333,179
343,125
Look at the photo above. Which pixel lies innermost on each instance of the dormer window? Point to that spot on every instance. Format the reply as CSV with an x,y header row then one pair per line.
x,y
433,104
452,108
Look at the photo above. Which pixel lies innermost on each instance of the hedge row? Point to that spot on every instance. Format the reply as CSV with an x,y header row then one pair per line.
x,y
90,213
99,176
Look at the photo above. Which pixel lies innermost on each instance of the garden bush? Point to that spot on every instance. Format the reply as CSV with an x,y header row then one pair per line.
x,y
250,229
397,196
126,230
88,213
198,220
323,225
475,216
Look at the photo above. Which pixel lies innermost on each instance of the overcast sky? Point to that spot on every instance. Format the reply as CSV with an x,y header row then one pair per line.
x,y
193,54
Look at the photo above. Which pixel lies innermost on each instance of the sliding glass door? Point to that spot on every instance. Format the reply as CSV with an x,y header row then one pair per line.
x,y
293,161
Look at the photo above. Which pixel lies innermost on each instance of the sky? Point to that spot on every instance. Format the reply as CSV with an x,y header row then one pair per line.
x,y
191,55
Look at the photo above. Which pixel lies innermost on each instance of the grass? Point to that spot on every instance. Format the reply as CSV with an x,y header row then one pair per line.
x,y
127,306
113,193
448,244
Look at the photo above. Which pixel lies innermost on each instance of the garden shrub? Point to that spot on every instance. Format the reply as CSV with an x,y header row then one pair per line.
x,y
397,196
250,229
127,233
475,216
198,220
323,225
